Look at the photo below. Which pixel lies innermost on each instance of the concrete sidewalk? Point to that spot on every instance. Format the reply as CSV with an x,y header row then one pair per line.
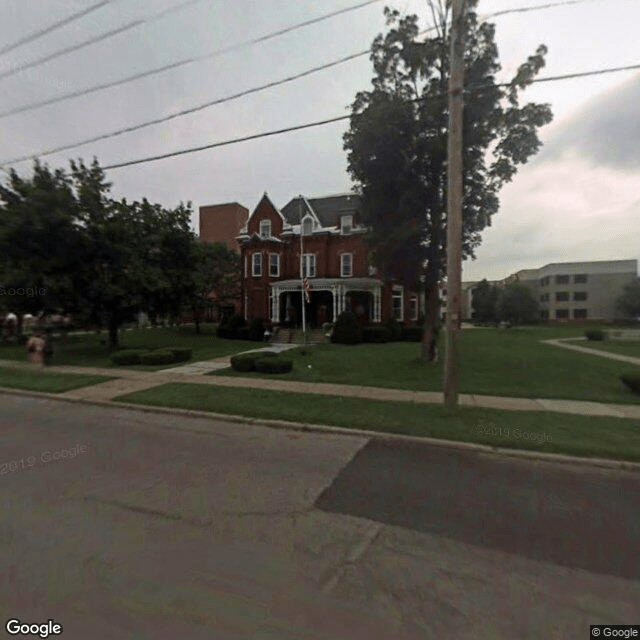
x,y
129,381
562,342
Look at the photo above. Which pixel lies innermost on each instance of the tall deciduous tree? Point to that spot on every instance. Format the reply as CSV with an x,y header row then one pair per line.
x,y
38,241
629,301
517,304
484,299
397,145
216,278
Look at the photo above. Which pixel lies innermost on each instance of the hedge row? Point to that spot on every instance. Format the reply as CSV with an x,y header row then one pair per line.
x,y
348,331
236,328
632,380
595,334
261,361
126,357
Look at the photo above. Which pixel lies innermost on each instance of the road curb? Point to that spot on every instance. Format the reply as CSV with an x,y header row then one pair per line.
x,y
358,433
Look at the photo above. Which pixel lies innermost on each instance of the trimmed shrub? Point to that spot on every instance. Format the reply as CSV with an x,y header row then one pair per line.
x,y
632,380
376,334
241,334
246,361
160,356
327,327
128,356
181,354
243,362
395,329
347,330
595,334
231,327
273,365
412,333
256,330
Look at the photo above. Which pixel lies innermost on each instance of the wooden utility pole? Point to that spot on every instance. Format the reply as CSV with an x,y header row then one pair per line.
x,y
454,207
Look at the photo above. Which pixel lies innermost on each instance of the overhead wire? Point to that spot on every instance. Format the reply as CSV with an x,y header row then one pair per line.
x,y
56,25
174,65
108,34
325,121
292,78
95,39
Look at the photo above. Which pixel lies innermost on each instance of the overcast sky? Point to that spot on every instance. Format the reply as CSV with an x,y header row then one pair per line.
x,y
579,199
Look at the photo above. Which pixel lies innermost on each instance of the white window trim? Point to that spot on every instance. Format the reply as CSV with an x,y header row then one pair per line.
x,y
413,300
346,228
309,219
265,221
277,274
256,273
398,290
306,261
342,265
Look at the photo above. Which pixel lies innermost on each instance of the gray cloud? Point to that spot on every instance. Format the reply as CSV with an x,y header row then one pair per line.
x,y
606,131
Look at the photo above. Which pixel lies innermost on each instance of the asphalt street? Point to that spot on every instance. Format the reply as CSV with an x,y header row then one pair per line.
x,y
126,524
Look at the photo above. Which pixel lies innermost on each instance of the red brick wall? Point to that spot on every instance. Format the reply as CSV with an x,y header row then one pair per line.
x,y
222,223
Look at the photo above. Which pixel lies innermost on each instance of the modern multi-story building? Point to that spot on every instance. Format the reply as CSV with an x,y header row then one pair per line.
x,y
328,232
572,290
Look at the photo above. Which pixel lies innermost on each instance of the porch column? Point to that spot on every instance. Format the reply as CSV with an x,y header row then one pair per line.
x,y
334,293
376,305
275,306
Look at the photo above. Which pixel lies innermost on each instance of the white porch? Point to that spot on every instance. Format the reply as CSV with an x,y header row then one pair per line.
x,y
339,288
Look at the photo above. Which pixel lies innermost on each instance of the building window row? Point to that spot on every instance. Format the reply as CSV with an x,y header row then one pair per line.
x,y
308,265
398,303
563,314
579,278
565,296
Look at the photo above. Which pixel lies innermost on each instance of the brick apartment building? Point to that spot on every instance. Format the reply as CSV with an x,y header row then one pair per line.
x,y
335,262
222,223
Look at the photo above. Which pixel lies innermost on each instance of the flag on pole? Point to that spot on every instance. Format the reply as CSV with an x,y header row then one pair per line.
x,y
307,288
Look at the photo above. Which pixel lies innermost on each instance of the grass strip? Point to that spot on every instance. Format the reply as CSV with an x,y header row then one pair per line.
x,y
592,436
49,382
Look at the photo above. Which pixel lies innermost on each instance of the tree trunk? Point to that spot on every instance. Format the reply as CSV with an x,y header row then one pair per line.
x,y
431,321
113,331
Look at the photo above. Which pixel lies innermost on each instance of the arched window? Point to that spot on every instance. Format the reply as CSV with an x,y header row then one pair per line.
x,y
307,226
265,228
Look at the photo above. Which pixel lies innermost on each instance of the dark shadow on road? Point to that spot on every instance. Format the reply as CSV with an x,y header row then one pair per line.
x,y
571,516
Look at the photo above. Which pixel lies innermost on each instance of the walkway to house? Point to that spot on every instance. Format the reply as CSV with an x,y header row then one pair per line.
x,y
562,342
206,366
128,381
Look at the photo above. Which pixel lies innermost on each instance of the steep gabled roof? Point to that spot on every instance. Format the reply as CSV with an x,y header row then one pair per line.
x,y
326,210
330,209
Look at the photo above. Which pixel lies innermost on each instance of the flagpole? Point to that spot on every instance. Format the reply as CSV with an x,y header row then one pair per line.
x,y
304,318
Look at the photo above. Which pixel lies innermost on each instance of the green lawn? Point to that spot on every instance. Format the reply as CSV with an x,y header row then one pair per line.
x,y
46,381
504,362
555,433
623,347
87,350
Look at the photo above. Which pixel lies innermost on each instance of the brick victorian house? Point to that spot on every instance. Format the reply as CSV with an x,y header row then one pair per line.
x,y
335,262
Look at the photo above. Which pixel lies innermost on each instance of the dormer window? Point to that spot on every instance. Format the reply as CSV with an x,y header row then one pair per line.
x,y
307,226
346,224
265,228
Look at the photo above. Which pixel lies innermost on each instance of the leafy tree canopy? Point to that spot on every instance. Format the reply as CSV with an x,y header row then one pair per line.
x,y
397,142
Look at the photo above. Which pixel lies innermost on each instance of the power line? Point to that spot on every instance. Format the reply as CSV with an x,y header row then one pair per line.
x,y
158,70
319,123
56,25
277,82
93,40
136,23
235,96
